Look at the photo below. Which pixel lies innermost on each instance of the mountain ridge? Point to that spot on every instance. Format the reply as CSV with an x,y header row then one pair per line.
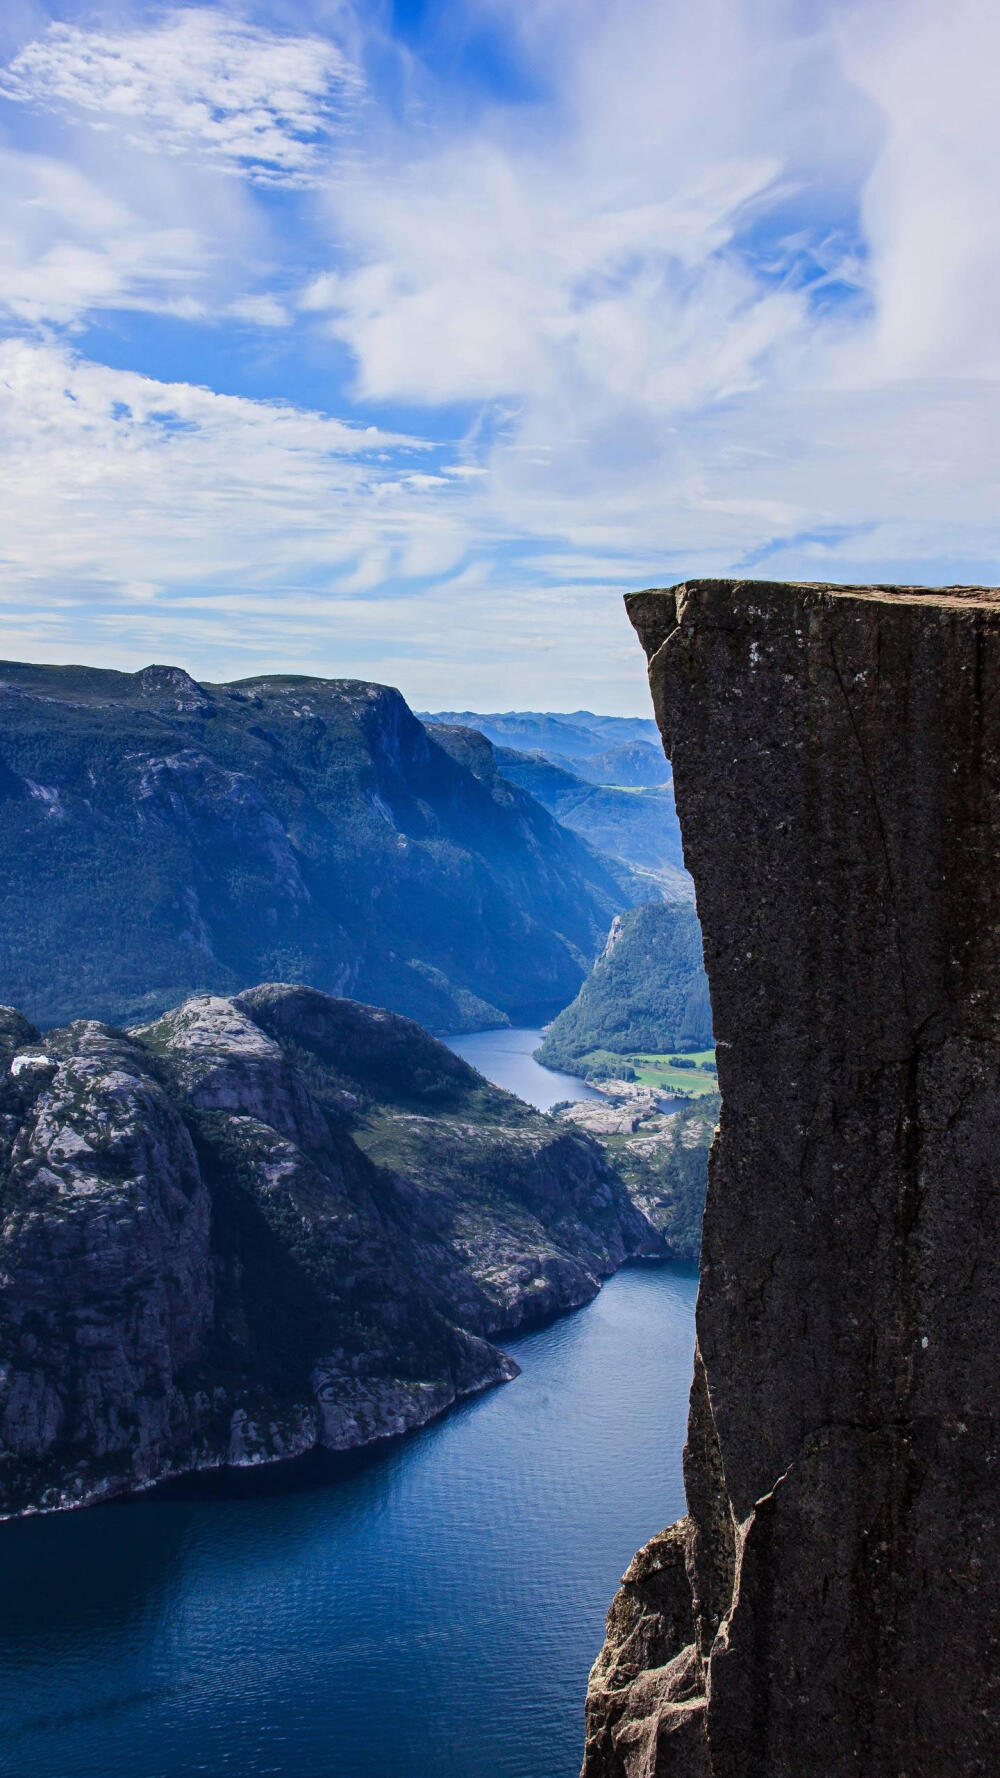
x,y
170,837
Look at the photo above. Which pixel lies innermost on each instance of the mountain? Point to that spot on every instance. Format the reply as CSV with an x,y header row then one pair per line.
x,y
637,827
603,777
577,736
647,992
166,837
632,766
623,750
262,1223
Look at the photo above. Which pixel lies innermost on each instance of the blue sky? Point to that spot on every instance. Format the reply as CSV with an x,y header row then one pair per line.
x,y
399,340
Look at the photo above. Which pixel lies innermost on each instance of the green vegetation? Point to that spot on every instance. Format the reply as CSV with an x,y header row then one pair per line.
x,y
665,1167
692,1076
685,1077
166,838
647,995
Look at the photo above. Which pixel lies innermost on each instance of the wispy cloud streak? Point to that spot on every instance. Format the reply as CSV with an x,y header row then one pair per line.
x,y
201,82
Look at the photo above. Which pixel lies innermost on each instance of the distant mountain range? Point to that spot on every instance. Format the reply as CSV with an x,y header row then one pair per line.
x,y
624,750
164,837
604,777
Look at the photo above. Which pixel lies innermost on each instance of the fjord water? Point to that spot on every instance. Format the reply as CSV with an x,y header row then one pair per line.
x,y
427,1612
506,1058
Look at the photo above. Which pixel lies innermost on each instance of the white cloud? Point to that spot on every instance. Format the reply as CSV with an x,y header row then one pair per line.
x,y
70,246
646,283
201,82
262,311
719,298
112,479
931,207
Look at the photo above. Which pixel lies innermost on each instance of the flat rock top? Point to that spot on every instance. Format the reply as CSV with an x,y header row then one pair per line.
x,y
656,611
750,589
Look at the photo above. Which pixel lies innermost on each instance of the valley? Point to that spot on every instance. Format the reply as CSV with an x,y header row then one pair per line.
x,y
252,1233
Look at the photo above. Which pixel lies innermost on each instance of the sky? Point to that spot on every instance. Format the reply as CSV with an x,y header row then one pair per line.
x,y
397,341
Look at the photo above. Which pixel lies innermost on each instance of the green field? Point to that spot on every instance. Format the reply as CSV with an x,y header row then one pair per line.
x,y
656,1071
659,1072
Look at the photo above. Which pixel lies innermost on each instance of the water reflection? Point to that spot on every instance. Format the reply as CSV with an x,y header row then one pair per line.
x,y
506,1058
430,1609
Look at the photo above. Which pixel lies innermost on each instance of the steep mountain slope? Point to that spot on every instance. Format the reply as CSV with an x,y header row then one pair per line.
x,y
263,1223
830,1607
636,827
165,837
622,750
647,992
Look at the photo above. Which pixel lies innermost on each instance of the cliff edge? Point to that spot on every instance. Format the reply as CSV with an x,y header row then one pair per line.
x,y
831,1604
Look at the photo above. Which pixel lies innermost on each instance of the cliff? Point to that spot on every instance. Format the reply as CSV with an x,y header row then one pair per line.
x,y
830,1607
262,1223
167,838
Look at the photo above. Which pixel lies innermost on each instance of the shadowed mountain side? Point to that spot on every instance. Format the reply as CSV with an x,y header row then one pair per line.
x,y
165,837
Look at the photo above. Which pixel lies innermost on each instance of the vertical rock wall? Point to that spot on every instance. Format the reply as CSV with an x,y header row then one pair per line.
x,y
836,756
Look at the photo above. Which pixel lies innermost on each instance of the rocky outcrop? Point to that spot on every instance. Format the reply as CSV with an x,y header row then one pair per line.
x,y
836,757
263,1223
661,1155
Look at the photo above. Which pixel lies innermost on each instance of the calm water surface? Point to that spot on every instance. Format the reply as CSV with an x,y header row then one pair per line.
x,y
505,1058
427,1613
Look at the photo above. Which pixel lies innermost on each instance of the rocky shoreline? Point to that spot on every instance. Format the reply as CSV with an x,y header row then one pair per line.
x,y
265,1223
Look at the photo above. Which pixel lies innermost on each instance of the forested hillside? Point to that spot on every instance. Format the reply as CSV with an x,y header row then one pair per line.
x,y
646,993
164,837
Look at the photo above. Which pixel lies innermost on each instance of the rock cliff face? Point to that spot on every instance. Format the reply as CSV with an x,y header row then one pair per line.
x,y
263,1223
836,757
169,838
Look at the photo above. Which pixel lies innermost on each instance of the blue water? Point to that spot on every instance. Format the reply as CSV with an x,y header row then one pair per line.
x,y
505,1057
429,1612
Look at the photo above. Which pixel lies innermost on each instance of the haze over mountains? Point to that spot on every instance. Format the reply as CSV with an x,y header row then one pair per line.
x,y
599,749
168,837
604,777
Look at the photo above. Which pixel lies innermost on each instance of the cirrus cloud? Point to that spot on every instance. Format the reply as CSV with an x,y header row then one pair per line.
x,y
701,290
199,82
